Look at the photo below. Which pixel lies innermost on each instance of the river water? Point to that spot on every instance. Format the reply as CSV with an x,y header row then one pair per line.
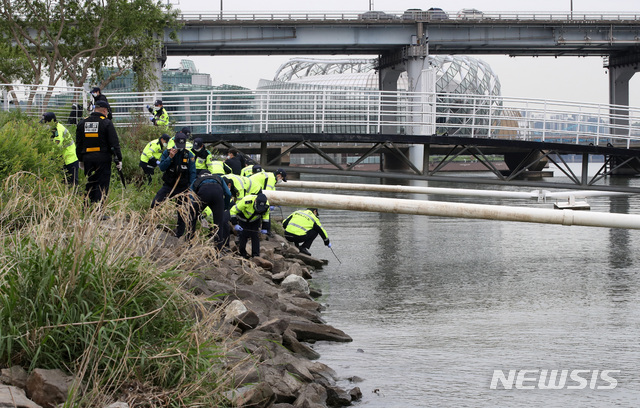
x,y
435,305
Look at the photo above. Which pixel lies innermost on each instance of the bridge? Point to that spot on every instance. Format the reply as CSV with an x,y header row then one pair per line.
x,y
403,39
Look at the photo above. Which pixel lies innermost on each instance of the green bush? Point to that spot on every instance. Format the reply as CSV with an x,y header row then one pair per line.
x,y
26,145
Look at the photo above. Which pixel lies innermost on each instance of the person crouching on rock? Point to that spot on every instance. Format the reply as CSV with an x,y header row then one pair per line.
x,y
302,227
250,217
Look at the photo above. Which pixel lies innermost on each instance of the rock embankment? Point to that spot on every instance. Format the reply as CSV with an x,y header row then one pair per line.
x,y
270,320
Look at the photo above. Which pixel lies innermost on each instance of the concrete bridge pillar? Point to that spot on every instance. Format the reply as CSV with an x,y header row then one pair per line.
x,y
621,70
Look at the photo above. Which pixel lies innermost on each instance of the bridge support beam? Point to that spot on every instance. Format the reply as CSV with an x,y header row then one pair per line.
x,y
621,70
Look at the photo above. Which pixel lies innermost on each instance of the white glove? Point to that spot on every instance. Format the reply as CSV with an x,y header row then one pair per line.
x,y
119,166
158,162
81,166
204,223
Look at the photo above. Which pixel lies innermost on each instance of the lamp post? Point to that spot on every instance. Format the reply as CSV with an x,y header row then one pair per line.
x,y
570,7
220,9
370,5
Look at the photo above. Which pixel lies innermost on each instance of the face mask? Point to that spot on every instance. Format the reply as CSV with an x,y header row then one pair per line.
x,y
180,148
155,108
94,94
197,150
164,145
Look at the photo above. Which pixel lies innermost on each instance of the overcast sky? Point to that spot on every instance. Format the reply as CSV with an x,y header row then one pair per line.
x,y
563,78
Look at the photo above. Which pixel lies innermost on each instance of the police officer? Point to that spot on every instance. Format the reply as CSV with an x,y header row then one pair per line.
x,y
97,95
265,179
96,142
203,156
213,193
160,116
234,161
63,139
302,227
150,157
179,167
250,217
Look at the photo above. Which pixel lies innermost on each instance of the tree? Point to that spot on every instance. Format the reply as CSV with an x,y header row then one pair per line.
x,y
73,39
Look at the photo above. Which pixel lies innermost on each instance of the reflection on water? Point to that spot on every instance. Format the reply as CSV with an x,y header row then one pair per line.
x,y
437,304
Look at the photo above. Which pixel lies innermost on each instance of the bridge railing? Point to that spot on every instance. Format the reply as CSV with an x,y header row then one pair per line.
x,y
407,16
372,112
343,111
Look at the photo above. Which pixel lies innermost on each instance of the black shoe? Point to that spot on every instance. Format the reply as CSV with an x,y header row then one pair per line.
x,y
305,251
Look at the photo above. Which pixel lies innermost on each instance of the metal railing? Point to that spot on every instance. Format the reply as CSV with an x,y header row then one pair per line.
x,y
38,99
342,111
373,112
409,15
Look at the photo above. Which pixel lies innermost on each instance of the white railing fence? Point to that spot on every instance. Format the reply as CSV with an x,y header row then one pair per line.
x,y
38,99
356,112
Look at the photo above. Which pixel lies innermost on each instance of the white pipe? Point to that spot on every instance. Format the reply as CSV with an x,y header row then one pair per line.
x,y
536,194
458,210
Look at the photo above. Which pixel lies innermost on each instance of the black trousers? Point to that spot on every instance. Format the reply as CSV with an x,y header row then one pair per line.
x,y
211,195
71,173
164,193
148,168
306,240
249,230
98,178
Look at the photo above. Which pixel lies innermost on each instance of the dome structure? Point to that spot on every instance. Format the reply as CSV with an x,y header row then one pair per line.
x,y
455,75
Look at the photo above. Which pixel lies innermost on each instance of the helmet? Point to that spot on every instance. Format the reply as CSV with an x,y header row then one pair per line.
x,y
256,168
48,117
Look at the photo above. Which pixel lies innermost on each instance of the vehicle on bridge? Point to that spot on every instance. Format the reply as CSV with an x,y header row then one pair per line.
x,y
377,15
470,14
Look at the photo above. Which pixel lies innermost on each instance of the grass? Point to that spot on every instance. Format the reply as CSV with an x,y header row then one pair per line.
x,y
102,300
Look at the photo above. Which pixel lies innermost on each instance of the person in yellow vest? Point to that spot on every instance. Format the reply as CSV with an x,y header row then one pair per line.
x,y
302,227
267,180
219,167
160,116
150,157
187,132
63,139
250,217
239,186
203,156
247,171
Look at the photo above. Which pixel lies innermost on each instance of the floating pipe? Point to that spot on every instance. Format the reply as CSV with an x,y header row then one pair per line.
x,y
456,210
536,194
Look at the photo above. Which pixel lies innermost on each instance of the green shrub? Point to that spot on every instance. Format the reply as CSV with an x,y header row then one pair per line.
x,y
26,145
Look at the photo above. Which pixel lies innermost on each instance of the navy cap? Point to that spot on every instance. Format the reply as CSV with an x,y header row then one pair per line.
x,y
95,89
48,117
256,168
197,143
260,204
282,173
186,130
180,140
102,104
157,102
165,136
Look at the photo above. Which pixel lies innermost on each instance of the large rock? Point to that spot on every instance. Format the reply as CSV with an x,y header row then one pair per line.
x,y
337,397
306,331
259,396
48,388
234,310
312,396
15,375
290,341
14,397
295,283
